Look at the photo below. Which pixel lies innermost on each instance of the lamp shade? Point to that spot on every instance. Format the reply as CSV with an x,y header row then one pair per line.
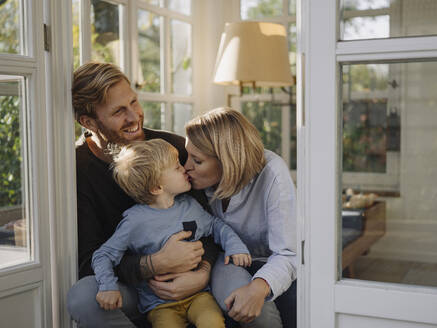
x,y
253,52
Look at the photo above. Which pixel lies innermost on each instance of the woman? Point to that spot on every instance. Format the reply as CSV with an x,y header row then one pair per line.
x,y
251,190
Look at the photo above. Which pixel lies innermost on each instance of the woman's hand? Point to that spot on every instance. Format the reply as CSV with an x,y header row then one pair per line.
x,y
176,286
245,303
244,260
110,299
178,255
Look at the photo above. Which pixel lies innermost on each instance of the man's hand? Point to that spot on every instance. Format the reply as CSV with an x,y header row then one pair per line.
x,y
178,255
177,286
245,303
110,299
244,260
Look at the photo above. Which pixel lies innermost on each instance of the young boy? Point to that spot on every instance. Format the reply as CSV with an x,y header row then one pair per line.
x,y
150,172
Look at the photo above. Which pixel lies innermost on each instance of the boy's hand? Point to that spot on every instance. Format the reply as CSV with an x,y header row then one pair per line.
x,y
244,260
110,299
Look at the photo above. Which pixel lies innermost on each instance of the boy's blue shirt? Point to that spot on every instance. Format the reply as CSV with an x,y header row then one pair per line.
x,y
145,230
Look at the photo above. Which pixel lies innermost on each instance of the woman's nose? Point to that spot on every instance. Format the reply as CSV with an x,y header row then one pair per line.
x,y
188,164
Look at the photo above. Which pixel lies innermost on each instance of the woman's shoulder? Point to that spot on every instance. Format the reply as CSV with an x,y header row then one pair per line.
x,y
275,164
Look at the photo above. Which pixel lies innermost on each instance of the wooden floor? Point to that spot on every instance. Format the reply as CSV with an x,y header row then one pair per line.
x,y
404,272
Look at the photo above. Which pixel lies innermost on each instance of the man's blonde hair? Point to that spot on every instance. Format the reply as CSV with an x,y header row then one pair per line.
x,y
91,83
227,135
138,167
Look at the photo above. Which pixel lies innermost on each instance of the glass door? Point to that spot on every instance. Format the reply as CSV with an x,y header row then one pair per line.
x,y
370,166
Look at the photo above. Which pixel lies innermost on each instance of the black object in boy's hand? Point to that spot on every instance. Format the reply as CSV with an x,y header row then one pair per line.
x,y
190,226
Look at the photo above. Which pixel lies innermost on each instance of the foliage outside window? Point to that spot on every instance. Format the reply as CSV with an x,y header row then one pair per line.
x,y
10,26
365,95
10,151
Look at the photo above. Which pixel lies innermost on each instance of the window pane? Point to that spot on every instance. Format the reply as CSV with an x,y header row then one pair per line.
x,y
149,51
14,223
76,33
253,9
181,57
155,2
105,36
183,6
182,113
292,7
365,96
10,31
267,119
153,114
389,220
369,19
292,41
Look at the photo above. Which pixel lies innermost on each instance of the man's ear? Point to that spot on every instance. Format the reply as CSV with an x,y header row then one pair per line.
x,y
156,190
88,122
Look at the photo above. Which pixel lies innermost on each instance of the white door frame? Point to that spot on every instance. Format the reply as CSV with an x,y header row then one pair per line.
x,y
62,159
326,296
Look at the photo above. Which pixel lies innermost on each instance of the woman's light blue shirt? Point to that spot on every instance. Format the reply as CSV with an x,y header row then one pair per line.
x,y
263,214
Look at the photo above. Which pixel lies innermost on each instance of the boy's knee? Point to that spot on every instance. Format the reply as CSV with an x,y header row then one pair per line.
x,y
212,319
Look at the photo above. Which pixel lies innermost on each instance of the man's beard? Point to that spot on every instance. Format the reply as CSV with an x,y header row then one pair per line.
x,y
114,142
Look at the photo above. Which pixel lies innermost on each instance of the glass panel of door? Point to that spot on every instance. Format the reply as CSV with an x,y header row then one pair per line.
x,y
389,159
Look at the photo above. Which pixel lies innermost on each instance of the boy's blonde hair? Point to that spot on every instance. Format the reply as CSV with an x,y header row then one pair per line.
x,y
227,135
138,167
91,83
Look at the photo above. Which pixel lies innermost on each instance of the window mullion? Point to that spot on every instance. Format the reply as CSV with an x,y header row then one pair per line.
x,y
124,41
133,43
167,73
85,31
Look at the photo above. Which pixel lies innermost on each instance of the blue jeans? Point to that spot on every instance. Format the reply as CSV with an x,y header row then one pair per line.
x,y
227,278
84,309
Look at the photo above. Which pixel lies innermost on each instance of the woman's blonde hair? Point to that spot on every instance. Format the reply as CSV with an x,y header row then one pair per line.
x,y
227,135
91,83
138,167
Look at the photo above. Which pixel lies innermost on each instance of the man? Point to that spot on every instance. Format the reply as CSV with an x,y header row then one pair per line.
x,y
108,108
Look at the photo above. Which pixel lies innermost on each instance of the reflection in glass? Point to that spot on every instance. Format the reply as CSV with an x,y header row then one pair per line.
x,y
267,118
182,113
369,19
76,33
14,224
149,51
182,6
153,114
105,36
367,27
10,31
365,95
253,9
181,57
388,234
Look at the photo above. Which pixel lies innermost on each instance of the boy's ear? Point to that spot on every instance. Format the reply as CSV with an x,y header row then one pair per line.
x,y
88,122
156,190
